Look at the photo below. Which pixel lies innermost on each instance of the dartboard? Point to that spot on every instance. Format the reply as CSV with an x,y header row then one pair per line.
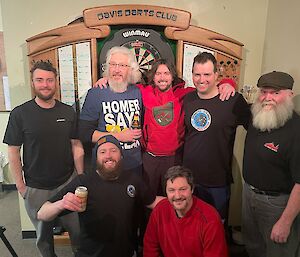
x,y
147,45
145,53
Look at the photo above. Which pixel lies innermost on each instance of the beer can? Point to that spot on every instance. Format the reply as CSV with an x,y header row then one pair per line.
x,y
82,193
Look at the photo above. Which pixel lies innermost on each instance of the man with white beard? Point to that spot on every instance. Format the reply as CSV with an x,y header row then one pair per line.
x,y
271,170
110,111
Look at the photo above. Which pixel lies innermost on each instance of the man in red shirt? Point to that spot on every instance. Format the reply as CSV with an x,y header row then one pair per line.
x,y
183,225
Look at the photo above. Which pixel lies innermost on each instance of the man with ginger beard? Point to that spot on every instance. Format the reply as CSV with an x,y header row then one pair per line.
x,y
107,224
271,170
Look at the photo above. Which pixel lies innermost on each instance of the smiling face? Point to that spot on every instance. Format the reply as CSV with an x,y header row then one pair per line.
x,y
163,78
272,108
179,194
44,84
270,97
205,79
118,68
108,160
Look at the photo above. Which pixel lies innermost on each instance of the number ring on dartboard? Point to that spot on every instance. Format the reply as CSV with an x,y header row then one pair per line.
x,y
147,45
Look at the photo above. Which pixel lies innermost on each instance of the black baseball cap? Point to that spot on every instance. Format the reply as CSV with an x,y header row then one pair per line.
x,y
276,79
108,139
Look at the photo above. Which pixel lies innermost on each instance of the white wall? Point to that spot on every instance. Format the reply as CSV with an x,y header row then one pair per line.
x,y
3,122
1,25
282,41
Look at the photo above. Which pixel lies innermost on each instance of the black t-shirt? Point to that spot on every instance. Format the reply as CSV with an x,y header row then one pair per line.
x,y
210,133
46,138
107,225
272,159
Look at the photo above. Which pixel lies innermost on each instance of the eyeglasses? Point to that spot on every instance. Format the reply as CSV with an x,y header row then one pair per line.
x,y
120,65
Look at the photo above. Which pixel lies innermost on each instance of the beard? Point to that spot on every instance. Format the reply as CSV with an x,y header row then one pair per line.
x,y
116,86
276,117
166,86
109,173
44,97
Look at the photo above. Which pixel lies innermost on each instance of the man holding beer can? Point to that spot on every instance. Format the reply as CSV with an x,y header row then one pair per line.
x,y
107,227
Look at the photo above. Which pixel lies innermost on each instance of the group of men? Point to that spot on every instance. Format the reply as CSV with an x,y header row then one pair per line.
x,y
187,138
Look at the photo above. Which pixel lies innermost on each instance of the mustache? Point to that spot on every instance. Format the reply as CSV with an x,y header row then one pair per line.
x,y
268,102
178,199
117,73
109,159
46,87
276,117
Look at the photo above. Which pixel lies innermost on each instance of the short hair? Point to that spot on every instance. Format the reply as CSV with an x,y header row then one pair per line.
x,y
151,73
205,57
179,172
43,65
135,74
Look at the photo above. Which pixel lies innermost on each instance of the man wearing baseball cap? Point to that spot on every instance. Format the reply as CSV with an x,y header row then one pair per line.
x,y
271,170
113,194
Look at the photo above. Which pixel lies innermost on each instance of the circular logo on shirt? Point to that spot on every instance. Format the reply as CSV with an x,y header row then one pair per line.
x,y
131,190
201,119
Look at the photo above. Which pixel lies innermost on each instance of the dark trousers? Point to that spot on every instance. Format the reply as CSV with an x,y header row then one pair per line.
x,y
259,214
155,168
216,196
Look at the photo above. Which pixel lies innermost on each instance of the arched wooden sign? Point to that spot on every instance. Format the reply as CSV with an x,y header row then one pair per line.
x,y
78,50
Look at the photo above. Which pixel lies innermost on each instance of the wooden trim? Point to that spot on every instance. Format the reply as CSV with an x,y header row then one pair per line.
x,y
65,35
63,239
94,60
208,39
179,58
136,14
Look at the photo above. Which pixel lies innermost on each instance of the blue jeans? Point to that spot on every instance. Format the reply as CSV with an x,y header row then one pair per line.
x,y
259,214
215,196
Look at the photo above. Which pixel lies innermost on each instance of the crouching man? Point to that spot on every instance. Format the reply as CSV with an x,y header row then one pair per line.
x,y
113,194
183,225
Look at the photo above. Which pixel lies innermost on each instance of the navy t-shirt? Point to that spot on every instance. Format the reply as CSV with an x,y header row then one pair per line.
x,y
113,112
